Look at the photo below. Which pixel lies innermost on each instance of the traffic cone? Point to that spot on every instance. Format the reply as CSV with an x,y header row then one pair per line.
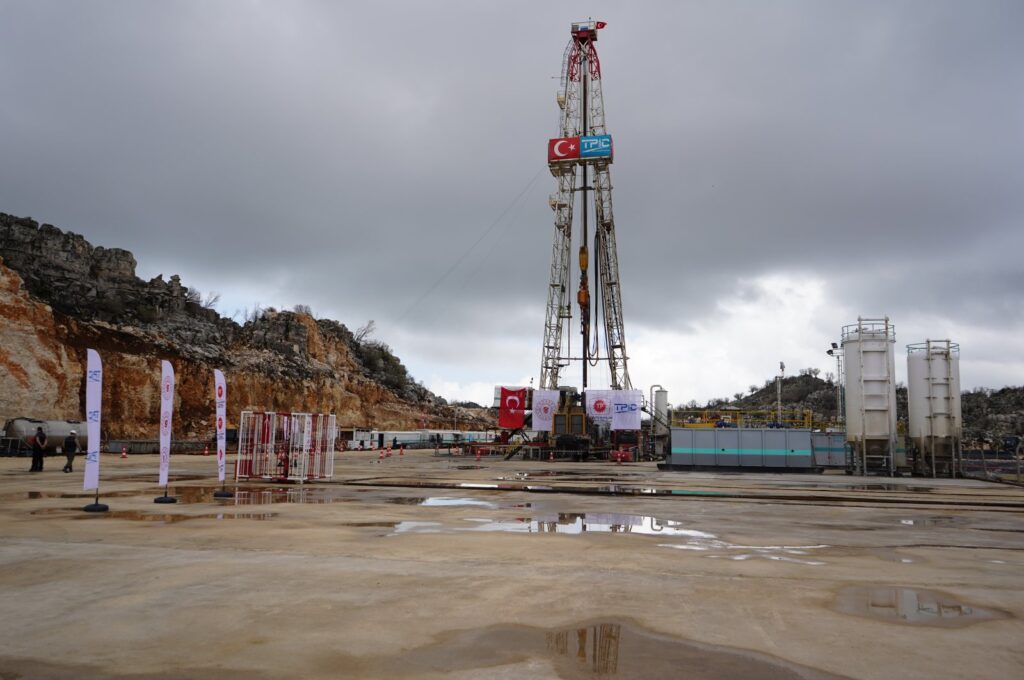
x,y
381,456
389,452
478,455
206,450
401,451
551,456
618,458
124,452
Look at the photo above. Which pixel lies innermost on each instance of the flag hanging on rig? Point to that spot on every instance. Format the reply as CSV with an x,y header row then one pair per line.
x,y
220,399
512,408
626,406
599,405
545,402
166,410
93,399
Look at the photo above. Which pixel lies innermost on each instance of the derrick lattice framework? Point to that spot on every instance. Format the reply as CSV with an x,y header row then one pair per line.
x,y
583,151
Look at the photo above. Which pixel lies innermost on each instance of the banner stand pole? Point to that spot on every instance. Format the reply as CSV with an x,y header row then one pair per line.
x,y
96,506
223,493
165,498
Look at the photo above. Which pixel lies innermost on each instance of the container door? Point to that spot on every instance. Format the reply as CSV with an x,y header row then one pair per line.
x,y
682,447
798,453
728,446
704,447
775,448
751,453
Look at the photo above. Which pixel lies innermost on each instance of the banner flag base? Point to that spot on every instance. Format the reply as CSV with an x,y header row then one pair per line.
x,y
165,499
221,493
96,507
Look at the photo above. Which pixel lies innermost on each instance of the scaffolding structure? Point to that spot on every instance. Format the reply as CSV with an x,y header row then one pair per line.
x,y
286,447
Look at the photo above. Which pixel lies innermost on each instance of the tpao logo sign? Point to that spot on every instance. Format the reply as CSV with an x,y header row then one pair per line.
x,y
596,146
626,408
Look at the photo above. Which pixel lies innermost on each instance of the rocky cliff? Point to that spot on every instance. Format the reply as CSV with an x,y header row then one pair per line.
x,y
59,295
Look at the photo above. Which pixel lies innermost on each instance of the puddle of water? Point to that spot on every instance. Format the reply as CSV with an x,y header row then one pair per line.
x,y
912,606
607,648
35,495
934,521
567,523
260,495
719,549
137,516
153,478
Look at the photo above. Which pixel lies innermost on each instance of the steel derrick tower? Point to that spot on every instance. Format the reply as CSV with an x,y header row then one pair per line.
x,y
583,146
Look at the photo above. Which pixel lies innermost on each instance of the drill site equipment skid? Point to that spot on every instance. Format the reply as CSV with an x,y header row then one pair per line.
x,y
285,447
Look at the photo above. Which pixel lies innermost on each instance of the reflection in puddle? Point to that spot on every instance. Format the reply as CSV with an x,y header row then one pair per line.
x,y
912,606
567,523
606,648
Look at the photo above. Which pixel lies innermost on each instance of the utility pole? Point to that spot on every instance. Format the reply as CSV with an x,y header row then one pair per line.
x,y
778,393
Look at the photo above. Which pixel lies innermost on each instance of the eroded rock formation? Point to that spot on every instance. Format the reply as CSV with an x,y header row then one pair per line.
x,y
59,295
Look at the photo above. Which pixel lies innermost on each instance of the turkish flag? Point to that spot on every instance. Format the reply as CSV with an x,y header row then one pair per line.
x,y
563,148
601,24
512,411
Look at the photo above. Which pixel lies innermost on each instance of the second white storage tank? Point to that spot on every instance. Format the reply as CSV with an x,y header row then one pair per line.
x,y
934,413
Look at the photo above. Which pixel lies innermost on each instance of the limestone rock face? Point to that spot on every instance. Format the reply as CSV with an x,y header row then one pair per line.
x,y
60,296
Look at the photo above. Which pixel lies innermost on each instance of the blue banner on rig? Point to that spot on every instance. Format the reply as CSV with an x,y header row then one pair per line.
x,y
596,146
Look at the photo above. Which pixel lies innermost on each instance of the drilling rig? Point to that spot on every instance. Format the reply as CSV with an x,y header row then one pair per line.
x,y
580,159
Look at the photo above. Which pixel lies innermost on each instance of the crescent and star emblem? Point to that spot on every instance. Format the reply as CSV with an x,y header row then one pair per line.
x,y
508,402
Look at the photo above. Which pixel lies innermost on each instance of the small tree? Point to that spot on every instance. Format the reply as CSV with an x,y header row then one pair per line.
x,y
365,331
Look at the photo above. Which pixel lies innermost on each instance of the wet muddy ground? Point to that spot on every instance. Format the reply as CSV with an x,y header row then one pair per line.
x,y
424,566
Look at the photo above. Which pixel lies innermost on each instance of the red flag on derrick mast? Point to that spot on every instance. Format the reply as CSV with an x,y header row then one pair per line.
x,y
602,24
511,412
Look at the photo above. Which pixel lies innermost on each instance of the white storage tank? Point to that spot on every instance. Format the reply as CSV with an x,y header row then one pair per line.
x,y
935,420
660,413
870,393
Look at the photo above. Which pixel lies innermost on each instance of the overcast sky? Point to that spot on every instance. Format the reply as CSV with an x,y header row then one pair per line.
x,y
780,168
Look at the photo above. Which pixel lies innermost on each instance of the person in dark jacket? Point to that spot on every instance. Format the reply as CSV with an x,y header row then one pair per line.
x,y
70,448
38,446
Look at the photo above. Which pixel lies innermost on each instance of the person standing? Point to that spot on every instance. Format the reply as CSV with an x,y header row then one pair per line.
x,y
38,446
70,448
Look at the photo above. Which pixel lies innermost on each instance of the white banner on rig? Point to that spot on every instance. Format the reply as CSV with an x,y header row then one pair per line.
x,y
220,398
93,401
545,403
626,406
166,411
599,405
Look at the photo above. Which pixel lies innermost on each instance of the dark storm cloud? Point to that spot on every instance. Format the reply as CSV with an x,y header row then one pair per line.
x,y
346,155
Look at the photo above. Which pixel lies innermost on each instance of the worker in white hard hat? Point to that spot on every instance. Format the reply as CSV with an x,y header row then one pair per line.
x,y
70,448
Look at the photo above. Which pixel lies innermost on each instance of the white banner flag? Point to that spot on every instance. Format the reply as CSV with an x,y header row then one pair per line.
x,y
220,398
166,411
626,409
93,401
599,405
545,403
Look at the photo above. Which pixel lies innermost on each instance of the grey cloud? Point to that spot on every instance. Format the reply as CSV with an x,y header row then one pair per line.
x,y
355,151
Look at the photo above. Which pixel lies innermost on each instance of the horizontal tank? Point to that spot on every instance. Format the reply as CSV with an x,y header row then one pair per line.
x,y
934,411
24,429
870,392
